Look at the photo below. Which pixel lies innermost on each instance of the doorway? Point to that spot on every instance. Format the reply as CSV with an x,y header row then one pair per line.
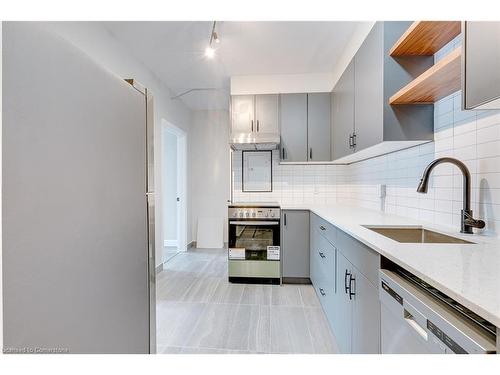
x,y
173,174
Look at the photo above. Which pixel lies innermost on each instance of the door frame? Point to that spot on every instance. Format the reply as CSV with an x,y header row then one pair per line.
x,y
181,183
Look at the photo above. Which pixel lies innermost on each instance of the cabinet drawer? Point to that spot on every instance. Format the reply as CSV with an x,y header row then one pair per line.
x,y
366,260
325,293
324,228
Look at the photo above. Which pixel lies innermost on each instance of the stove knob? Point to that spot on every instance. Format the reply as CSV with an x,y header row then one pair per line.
x,y
272,214
253,214
241,214
235,214
247,214
267,214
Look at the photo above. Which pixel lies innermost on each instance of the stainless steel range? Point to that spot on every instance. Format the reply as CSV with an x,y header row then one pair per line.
x,y
254,243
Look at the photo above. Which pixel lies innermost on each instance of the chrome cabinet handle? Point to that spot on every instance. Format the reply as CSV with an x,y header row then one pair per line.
x,y
252,124
321,254
321,290
353,140
283,152
322,227
257,125
284,219
350,141
310,153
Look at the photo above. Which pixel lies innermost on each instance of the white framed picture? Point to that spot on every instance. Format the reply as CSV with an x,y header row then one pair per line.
x,y
257,171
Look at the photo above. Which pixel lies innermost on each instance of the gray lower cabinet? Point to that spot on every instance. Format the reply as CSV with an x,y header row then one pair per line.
x,y
295,244
293,122
341,270
318,126
365,315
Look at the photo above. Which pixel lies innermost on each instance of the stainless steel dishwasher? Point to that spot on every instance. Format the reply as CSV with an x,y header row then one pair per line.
x,y
417,318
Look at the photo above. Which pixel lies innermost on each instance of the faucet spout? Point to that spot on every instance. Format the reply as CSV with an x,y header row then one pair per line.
x,y
467,221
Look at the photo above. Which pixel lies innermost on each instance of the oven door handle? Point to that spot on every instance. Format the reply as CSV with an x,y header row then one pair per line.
x,y
271,222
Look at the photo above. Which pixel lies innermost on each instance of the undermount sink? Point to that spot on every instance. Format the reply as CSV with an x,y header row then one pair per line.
x,y
415,235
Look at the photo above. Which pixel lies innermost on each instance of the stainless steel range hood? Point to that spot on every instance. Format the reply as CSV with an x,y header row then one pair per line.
x,y
252,141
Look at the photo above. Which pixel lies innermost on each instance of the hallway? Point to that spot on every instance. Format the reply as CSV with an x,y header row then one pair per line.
x,y
199,311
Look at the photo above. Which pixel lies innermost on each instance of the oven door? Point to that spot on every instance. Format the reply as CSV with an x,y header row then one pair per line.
x,y
254,240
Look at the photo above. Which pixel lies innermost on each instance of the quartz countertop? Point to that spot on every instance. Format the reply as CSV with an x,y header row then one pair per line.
x,y
468,273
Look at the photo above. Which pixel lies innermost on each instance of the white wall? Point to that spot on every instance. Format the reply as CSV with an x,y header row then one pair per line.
x,y
104,48
170,186
210,187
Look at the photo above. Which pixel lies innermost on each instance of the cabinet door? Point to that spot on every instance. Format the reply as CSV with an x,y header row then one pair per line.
x,y
295,243
343,113
481,65
342,306
242,111
293,118
318,126
366,316
266,114
368,91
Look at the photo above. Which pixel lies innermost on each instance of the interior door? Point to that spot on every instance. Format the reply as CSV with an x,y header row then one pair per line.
x,y
266,114
318,126
242,110
75,250
343,112
293,127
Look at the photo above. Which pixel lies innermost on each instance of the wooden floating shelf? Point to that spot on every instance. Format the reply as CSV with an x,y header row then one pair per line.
x,y
440,80
425,38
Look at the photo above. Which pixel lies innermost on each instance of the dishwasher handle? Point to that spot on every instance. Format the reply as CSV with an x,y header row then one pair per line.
x,y
415,319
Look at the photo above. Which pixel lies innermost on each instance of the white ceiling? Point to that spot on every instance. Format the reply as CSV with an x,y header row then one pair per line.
x,y
174,51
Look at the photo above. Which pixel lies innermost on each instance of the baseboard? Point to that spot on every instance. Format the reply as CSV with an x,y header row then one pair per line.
x,y
296,280
191,245
170,243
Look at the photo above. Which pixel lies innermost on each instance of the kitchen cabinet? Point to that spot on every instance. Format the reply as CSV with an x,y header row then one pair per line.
x,y
254,114
481,65
366,86
295,245
342,272
318,126
343,113
242,111
293,117
266,114
305,127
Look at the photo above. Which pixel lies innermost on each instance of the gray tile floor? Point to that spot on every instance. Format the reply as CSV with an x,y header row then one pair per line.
x,y
199,311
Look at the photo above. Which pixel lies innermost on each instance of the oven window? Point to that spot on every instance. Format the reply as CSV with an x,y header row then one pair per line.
x,y
254,239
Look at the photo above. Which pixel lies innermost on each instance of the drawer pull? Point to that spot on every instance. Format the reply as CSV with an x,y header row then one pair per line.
x,y
345,281
322,227
351,292
321,290
322,255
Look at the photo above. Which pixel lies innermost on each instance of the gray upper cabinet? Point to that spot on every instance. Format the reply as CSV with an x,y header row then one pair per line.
x,y
305,127
254,114
242,113
368,90
318,126
481,65
266,114
377,76
343,113
293,124
295,243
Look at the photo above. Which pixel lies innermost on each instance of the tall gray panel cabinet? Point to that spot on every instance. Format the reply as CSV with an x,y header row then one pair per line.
x,y
366,86
293,117
295,245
